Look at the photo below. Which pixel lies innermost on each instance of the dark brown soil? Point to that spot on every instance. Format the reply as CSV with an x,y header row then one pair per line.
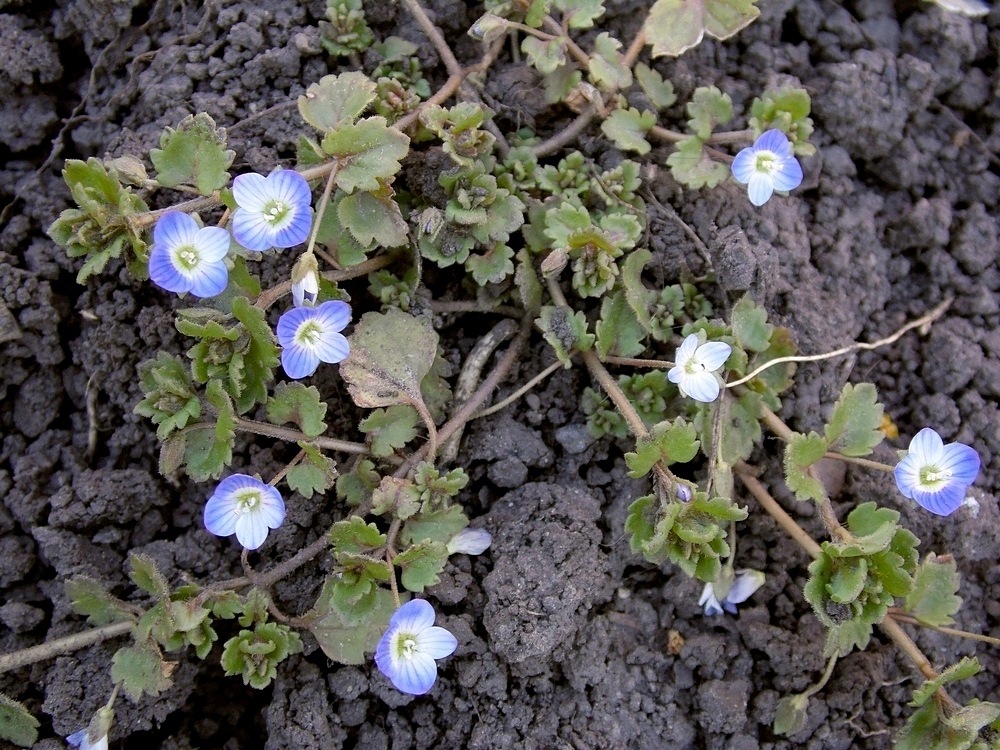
x,y
899,209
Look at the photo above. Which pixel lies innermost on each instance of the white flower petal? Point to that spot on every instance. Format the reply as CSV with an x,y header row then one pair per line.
x,y
713,355
788,176
212,243
437,643
760,188
907,475
927,448
746,583
415,675
686,350
413,617
251,192
701,386
744,164
220,515
773,140
251,529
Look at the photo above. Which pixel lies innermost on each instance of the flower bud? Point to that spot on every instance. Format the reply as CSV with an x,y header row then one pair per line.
x,y
305,281
555,262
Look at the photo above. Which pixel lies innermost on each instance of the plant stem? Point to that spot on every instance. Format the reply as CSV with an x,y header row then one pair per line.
x,y
901,617
435,36
466,306
553,26
922,322
285,433
567,134
519,392
778,513
322,206
632,53
269,296
65,645
827,674
860,462
631,362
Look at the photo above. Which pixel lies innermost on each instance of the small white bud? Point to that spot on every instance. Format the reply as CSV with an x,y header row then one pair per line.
x,y
305,281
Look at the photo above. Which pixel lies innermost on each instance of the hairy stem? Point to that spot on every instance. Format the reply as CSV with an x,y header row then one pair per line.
x,y
769,504
860,462
286,433
902,617
66,645
269,296
434,34
567,134
519,392
551,25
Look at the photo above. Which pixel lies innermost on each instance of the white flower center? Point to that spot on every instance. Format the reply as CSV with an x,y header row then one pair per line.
x,y
693,367
766,162
246,501
407,647
186,256
276,212
309,334
931,475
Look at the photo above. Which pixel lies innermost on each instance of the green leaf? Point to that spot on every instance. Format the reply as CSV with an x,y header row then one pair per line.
x,y
565,330
545,56
750,325
636,293
848,580
963,670
528,285
670,442
314,475
692,166
369,152
346,32
606,66
355,537
346,642
628,128
91,599
580,14
660,92
843,638
382,372
561,83
436,526
171,400
255,654
489,27
790,714
853,429
802,452
787,110
675,26
139,669
145,575
195,153
336,237
708,107
934,598
16,724
399,498
389,429
421,564
297,403
373,217
208,451
873,529
356,486
260,358
742,428
493,266
618,330
336,100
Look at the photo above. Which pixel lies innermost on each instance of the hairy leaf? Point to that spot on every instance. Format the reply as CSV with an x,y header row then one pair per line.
x,y
675,26
802,452
934,599
421,563
628,128
389,429
336,99
373,217
691,166
295,402
369,152
857,416
618,330
606,66
139,669
195,153
660,92
16,724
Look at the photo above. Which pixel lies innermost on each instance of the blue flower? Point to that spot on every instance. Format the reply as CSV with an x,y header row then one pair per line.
x,y
767,165
274,211
82,741
245,506
695,368
936,475
310,335
188,258
409,647
733,589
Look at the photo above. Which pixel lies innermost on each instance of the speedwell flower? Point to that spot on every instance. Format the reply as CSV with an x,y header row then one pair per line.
x,y
310,335
245,506
305,281
695,371
740,588
274,211
95,736
187,257
409,647
936,475
766,166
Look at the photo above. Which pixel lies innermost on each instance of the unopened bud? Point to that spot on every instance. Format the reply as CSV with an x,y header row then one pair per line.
x,y
555,262
305,281
470,542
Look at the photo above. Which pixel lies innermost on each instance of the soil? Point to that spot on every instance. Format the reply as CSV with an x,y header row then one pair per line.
x,y
566,638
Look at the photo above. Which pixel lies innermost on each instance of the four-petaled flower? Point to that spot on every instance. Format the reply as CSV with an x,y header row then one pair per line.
x,y
694,372
409,647
187,257
740,588
245,506
766,166
274,211
310,335
936,475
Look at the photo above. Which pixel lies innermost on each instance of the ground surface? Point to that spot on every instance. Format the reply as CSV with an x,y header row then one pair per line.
x,y
898,210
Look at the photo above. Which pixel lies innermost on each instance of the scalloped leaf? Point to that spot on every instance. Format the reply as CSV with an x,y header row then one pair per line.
x,y
336,99
675,26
